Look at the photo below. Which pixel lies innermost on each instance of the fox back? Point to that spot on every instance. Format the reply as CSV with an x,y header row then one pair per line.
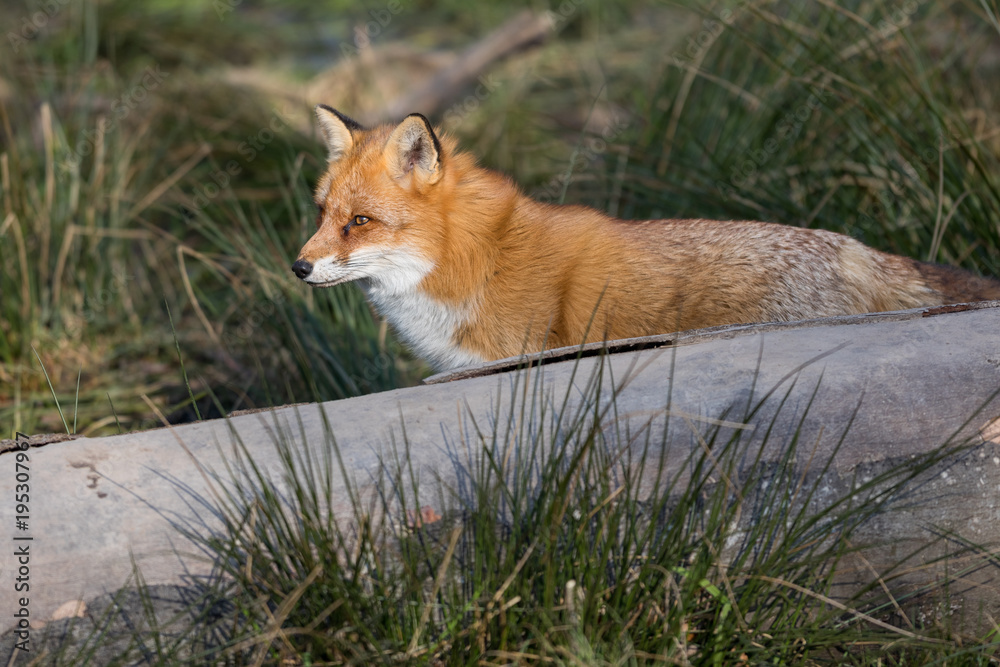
x,y
466,268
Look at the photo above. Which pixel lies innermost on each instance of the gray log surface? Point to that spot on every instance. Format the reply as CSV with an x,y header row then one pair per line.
x,y
919,375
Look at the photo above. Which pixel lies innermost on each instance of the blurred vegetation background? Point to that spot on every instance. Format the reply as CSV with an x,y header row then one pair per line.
x,y
156,164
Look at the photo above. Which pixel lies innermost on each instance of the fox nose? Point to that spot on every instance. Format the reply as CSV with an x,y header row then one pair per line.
x,y
302,268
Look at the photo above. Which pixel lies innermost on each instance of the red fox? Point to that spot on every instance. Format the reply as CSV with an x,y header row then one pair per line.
x,y
467,268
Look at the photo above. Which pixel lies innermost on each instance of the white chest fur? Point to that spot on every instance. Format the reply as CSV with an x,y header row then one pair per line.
x,y
425,324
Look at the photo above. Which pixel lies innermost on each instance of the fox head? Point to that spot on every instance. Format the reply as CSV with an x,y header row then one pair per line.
x,y
376,204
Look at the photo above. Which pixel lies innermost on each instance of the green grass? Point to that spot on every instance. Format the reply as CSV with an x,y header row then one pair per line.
x,y
598,546
196,196
552,551
875,120
108,138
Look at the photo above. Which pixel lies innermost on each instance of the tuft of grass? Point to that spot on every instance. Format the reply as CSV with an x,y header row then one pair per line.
x,y
53,392
329,341
574,536
81,168
106,140
683,112
872,119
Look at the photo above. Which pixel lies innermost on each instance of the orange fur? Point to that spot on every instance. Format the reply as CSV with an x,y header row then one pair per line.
x,y
467,268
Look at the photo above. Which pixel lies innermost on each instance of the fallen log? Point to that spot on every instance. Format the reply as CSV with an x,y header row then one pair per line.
x,y
906,382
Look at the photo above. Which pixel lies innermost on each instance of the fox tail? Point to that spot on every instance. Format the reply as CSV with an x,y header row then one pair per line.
x,y
958,286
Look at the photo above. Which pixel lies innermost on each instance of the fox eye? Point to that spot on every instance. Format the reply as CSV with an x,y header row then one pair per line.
x,y
356,221
320,210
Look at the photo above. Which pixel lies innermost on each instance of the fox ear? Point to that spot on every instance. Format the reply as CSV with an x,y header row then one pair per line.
x,y
337,131
413,147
